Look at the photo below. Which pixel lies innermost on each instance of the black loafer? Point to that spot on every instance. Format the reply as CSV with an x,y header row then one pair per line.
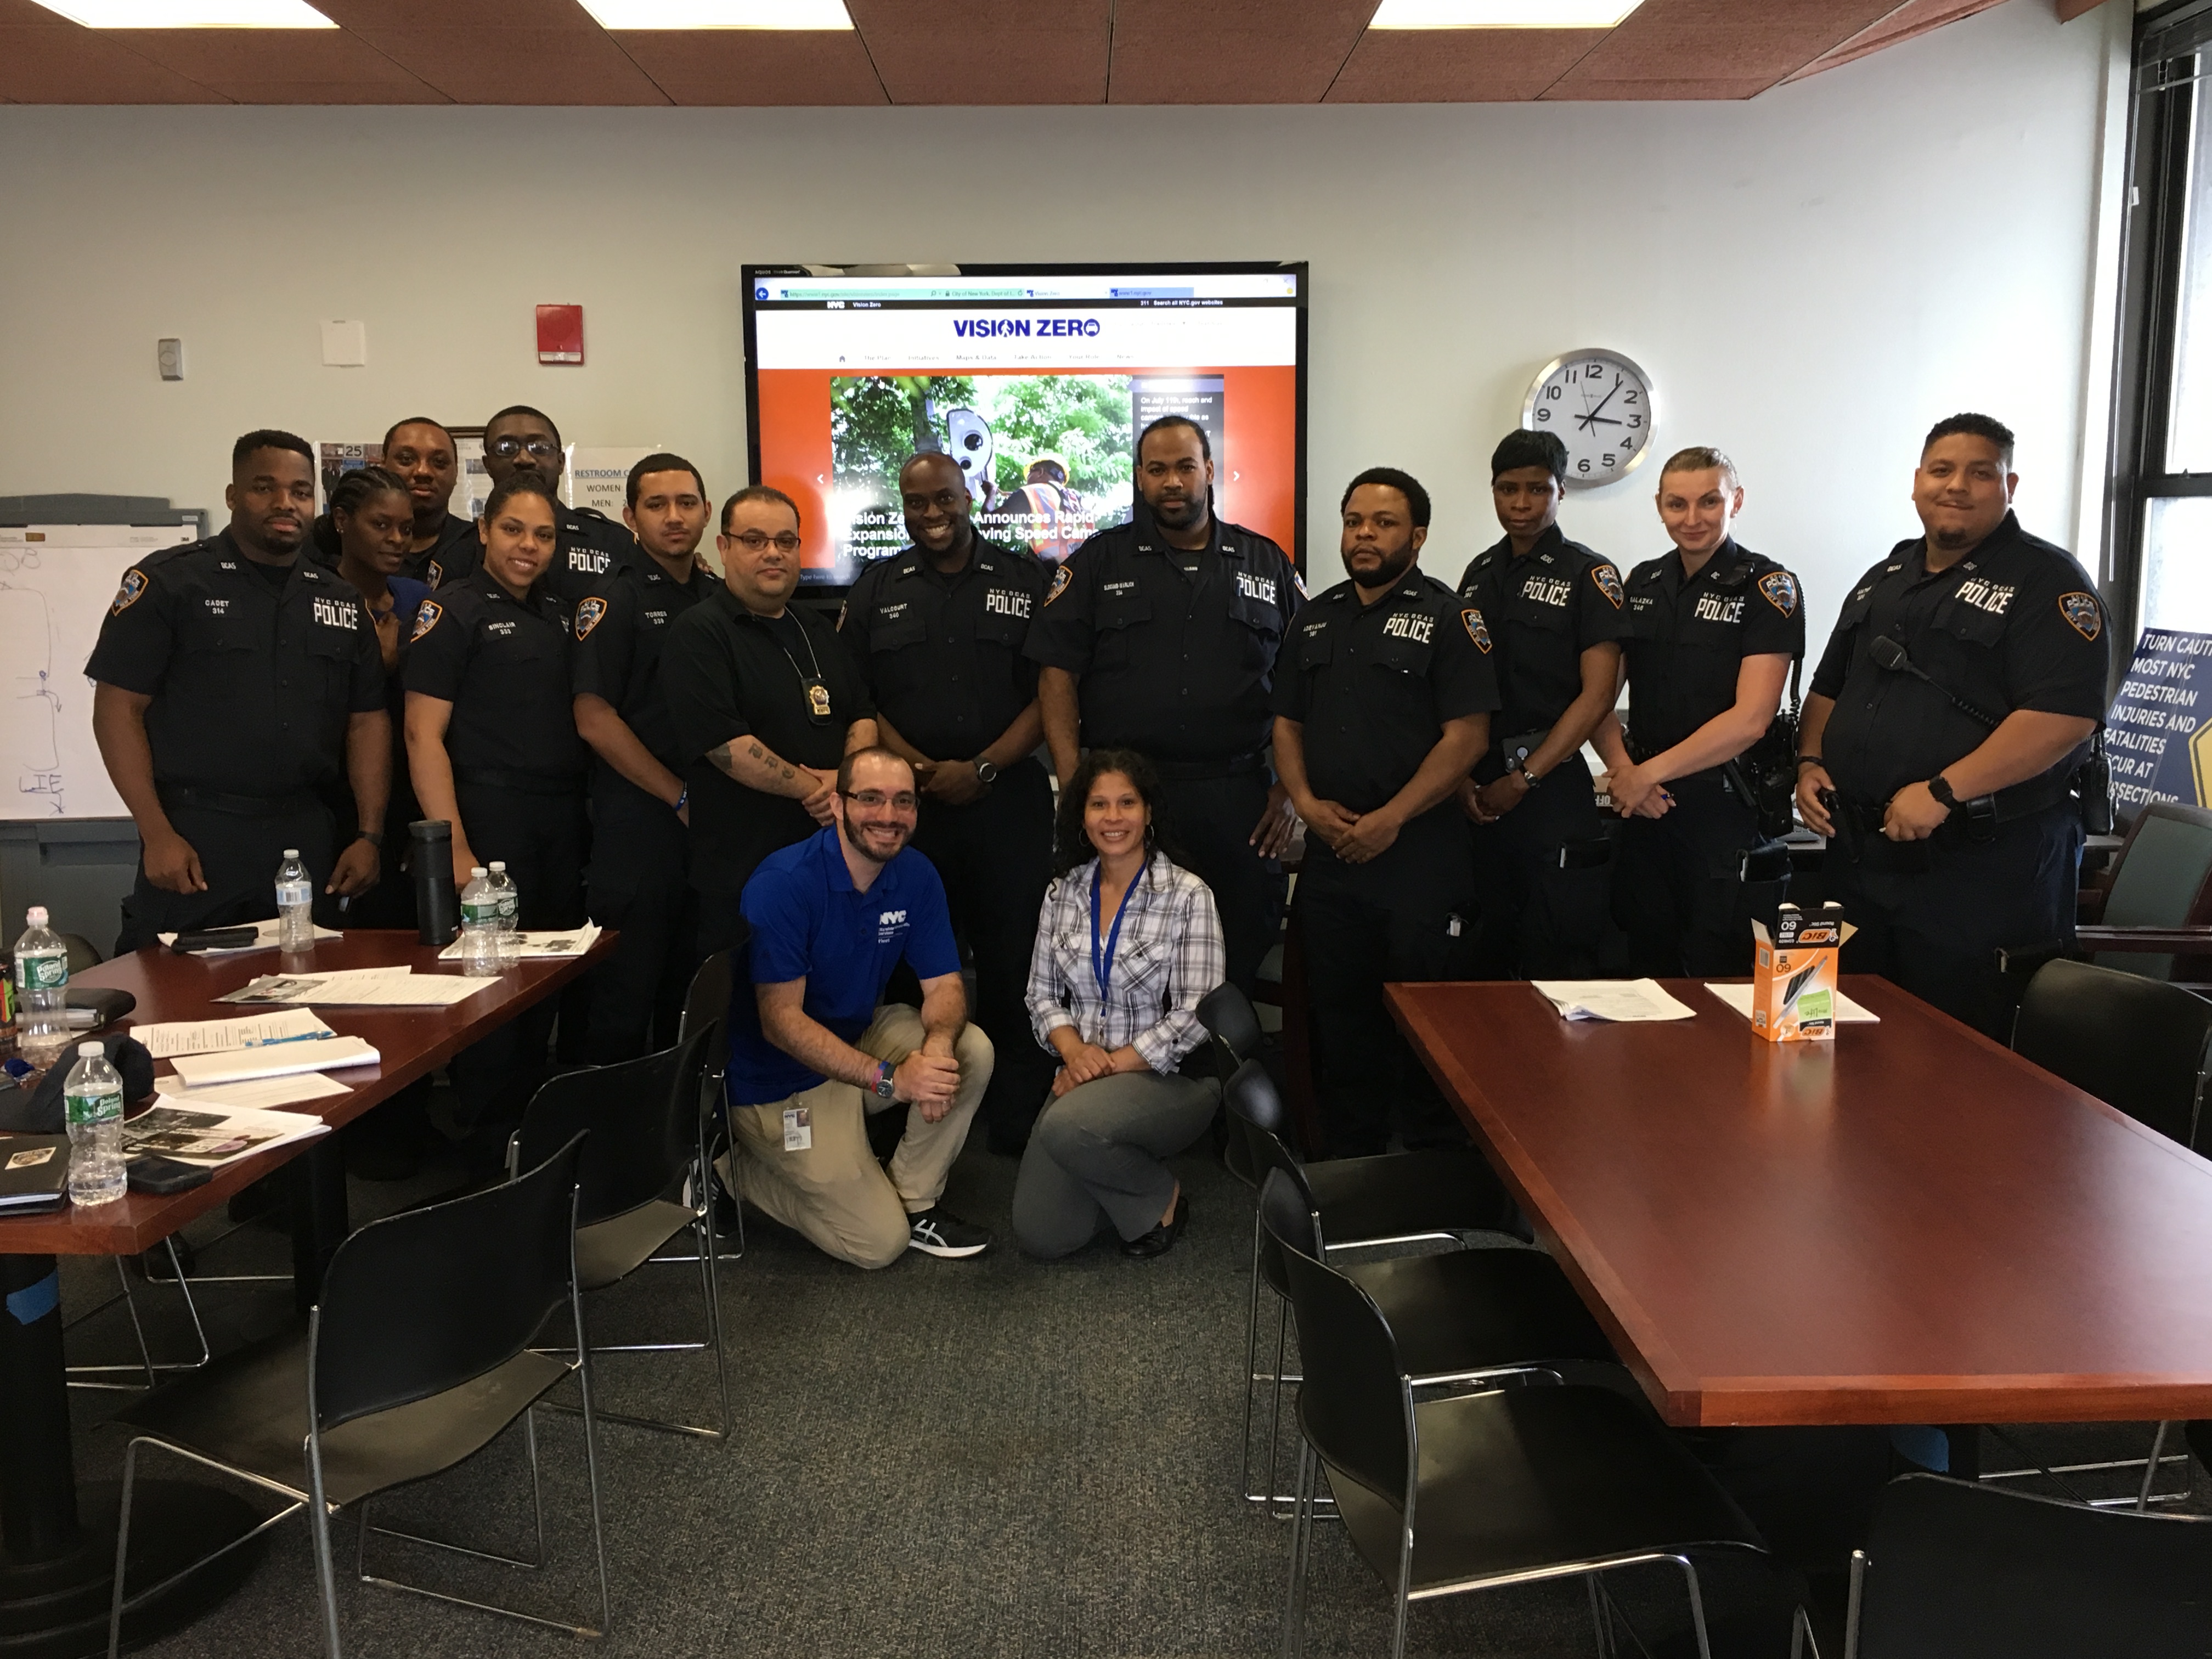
x,y
1162,1238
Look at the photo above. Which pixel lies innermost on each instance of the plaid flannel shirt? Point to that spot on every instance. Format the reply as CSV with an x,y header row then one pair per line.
x,y
1169,956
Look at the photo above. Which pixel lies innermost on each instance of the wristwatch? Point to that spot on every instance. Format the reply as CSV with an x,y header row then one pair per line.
x,y
885,1090
985,771
373,837
1941,790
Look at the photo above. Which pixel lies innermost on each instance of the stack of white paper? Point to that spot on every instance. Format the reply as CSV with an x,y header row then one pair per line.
x,y
573,943
264,1092
362,988
166,1039
1616,1000
195,1133
275,1060
1848,1012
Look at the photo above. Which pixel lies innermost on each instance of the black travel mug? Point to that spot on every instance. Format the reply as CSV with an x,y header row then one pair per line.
x,y
436,907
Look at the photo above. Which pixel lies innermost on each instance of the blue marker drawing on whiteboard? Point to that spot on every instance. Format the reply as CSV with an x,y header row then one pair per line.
x,y
30,756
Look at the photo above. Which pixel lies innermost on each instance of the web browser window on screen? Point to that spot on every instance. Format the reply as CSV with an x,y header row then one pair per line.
x,y
1037,384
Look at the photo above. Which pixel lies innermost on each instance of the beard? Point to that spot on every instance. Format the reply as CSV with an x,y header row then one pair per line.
x,y
853,840
1392,566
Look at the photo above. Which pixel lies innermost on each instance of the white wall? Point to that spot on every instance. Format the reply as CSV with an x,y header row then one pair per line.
x,y
1812,277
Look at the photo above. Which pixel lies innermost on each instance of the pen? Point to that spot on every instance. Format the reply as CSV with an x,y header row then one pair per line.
x,y
271,1043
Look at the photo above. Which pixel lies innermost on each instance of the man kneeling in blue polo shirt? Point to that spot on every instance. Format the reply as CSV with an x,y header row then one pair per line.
x,y
810,1052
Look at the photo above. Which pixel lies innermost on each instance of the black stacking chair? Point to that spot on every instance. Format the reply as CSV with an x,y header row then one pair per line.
x,y
708,999
645,1149
1233,1024
1956,1570
416,1358
1471,1490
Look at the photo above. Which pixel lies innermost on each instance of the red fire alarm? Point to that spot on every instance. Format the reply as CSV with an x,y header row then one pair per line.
x,y
559,334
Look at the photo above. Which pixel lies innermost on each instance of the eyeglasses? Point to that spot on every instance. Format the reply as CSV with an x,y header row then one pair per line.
x,y
755,541
507,448
875,800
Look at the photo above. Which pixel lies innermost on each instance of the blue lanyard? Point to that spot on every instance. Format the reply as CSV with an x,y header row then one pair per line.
x,y
1101,963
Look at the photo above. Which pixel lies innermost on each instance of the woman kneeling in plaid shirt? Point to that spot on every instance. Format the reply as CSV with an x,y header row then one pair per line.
x,y
1127,943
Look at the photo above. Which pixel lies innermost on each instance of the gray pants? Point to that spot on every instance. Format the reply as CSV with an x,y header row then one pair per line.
x,y
1096,1155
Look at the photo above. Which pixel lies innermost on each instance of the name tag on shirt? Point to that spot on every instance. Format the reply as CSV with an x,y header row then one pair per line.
x,y
797,1128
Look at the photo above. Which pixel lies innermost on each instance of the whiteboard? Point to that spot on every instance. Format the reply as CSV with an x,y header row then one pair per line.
x,y
57,582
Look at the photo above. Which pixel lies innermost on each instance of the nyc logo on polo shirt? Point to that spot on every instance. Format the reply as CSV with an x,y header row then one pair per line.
x,y
890,924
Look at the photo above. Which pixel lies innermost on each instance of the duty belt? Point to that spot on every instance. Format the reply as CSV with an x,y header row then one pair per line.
x,y
243,806
527,783
1235,766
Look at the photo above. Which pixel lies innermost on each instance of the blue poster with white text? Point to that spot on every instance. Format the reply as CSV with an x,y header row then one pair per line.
x,y
2158,734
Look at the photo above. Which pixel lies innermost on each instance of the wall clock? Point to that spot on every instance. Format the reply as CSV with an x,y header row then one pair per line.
x,y
1600,404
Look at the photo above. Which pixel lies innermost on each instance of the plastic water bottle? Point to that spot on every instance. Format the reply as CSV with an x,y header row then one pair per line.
x,y
41,988
93,1096
295,903
510,915
479,924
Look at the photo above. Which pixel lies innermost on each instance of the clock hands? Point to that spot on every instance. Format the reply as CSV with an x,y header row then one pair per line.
x,y
1592,417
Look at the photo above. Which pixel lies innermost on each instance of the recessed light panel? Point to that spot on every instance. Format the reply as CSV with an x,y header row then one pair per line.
x,y
191,13
719,13
1501,14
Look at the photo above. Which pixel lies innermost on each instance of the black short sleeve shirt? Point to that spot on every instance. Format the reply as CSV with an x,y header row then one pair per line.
x,y
1688,639
728,673
1182,668
1372,684
504,664
588,546
252,683
1542,611
621,628
2014,624
943,654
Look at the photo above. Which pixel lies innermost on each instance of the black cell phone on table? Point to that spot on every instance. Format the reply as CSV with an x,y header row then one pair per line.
x,y
163,1176
214,939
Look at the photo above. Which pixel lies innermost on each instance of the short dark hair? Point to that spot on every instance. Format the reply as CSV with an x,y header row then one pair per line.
x,y
417,419
523,409
1204,448
1521,448
268,437
1417,498
845,766
1072,848
525,482
1977,426
759,493
663,462
353,489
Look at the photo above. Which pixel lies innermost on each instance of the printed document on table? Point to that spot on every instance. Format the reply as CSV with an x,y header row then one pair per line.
x,y
168,1039
264,938
1848,1012
197,1134
264,1092
275,1060
572,942
1619,1000
367,988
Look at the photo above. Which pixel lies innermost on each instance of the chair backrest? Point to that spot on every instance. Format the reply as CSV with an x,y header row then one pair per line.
x,y
1228,1017
423,1301
640,1119
2136,1044
1956,1570
708,998
1257,1109
2162,877
1352,1401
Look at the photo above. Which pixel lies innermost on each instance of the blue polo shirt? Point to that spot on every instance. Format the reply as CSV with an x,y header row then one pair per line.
x,y
810,922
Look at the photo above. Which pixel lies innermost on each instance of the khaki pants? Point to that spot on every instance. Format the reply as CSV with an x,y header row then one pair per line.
x,y
834,1192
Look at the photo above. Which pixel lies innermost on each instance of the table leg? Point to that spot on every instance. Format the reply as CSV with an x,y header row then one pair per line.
x,y
319,1216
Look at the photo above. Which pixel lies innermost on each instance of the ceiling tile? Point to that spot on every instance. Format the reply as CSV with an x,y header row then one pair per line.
x,y
1003,52
281,66
701,67
66,64
1749,44
1456,66
1237,51
521,51
1902,23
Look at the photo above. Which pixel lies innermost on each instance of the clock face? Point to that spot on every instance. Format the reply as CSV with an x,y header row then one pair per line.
x,y
1601,405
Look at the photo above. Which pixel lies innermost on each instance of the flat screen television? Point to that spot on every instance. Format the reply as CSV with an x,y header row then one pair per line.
x,y
1035,379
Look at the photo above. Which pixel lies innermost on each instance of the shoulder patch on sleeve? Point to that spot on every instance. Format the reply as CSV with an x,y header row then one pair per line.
x,y
2083,613
433,574
426,619
1608,582
1781,590
1477,629
134,584
588,616
1060,578
1299,582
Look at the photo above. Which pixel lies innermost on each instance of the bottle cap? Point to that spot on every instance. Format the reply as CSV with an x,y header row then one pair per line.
x,y
91,1051
36,915
500,865
289,852
478,870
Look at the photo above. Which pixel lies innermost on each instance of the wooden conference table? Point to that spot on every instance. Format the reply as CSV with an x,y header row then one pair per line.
x,y
57,1554
1908,1224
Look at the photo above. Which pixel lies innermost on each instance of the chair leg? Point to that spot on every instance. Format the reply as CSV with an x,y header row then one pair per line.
x,y
1801,1644
1601,1616
1275,1402
1859,1564
591,1459
1251,1361
319,1517
1697,1606
122,1552
2150,1469
714,1290
1294,1609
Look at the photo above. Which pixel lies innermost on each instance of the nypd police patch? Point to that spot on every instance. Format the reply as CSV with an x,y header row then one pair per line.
x,y
426,619
134,584
1780,588
1060,578
1608,583
1477,629
587,617
2083,613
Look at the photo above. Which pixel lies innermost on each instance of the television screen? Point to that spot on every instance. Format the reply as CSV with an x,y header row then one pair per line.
x,y
1036,379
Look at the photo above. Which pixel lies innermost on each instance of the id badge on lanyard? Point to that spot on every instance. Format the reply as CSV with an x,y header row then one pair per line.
x,y
818,698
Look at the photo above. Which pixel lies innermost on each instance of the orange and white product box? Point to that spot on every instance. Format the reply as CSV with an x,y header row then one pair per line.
x,y
1794,982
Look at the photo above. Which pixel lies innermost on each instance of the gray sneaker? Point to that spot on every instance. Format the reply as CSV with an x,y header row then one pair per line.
x,y
937,1232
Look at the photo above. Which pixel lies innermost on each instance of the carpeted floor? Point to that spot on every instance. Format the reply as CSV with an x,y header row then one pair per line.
x,y
988,1459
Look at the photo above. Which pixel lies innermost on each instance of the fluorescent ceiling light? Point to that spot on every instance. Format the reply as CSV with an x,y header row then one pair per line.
x,y
1501,14
191,13
719,13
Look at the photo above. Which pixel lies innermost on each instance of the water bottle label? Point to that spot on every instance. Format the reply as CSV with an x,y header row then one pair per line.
x,y
85,1110
47,971
480,912
294,892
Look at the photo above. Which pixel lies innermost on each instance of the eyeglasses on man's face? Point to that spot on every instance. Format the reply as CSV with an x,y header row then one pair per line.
x,y
507,448
875,799
755,541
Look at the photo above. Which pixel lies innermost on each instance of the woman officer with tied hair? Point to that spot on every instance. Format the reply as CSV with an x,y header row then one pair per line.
x,y
492,743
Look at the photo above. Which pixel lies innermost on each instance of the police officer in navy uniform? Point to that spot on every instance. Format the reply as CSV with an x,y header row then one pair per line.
x,y
937,628
422,453
235,681
1947,718
1715,627
521,441
639,879
1553,614
766,702
1383,699
1160,636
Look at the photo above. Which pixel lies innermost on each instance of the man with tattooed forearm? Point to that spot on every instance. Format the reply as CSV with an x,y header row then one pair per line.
x,y
766,700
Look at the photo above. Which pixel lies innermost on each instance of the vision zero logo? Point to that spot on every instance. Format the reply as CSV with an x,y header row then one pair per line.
x,y
1025,328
